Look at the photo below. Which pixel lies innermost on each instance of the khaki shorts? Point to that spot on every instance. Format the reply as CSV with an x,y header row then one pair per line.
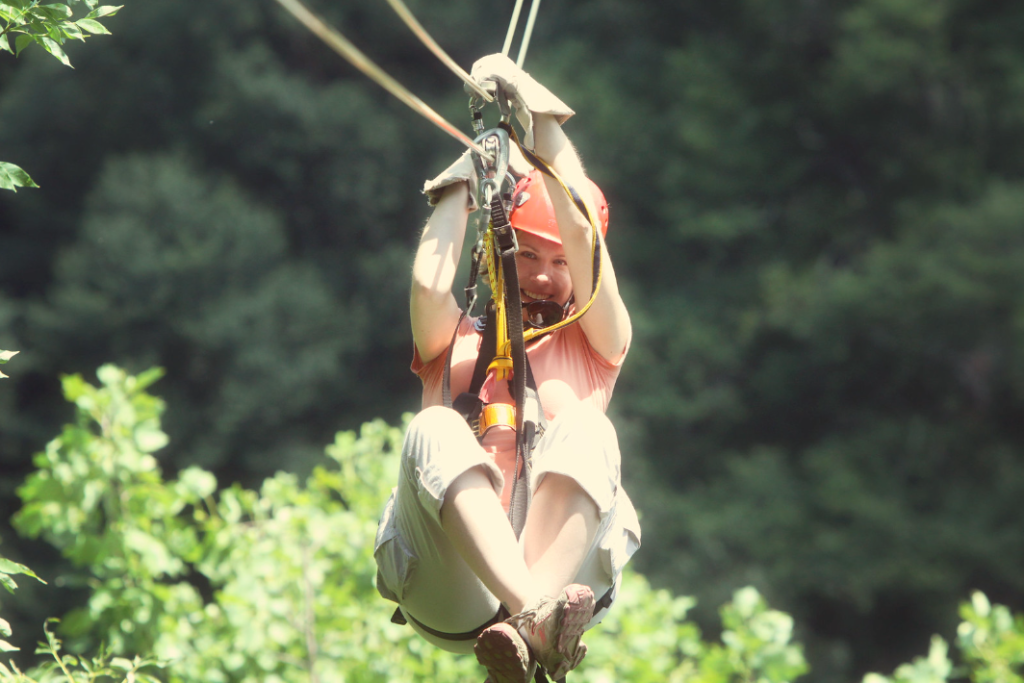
x,y
422,571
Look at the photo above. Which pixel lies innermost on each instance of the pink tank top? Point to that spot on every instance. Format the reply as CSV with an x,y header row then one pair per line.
x,y
567,369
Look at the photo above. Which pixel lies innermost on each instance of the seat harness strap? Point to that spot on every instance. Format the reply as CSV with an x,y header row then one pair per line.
x,y
501,615
399,617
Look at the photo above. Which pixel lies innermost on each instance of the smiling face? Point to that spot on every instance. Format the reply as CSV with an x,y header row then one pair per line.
x,y
543,270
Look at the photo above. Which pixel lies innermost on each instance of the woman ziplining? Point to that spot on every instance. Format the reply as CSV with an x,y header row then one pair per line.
x,y
446,550
509,517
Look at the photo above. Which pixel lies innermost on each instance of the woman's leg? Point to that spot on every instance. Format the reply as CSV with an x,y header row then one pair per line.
x,y
421,566
475,522
575,480
559,533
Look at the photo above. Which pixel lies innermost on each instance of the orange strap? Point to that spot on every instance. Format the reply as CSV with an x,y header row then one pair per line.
x,y
495,414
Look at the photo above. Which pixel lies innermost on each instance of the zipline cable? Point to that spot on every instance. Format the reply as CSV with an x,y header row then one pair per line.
x,y
512,28
530,21
432,45
343,47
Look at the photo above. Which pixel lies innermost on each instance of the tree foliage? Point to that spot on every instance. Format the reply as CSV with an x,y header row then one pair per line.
x,y
27,22
278,584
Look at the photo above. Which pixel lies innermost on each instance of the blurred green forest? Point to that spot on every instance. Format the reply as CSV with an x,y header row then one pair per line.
x,y
817,219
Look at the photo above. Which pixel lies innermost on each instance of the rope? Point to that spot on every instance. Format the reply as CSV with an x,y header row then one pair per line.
x,y
432,45
534,6
512,28
350,52
595,244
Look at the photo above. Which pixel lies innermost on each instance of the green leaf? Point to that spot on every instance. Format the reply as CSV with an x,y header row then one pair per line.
x,y
5,44
11,176
20,43
51,46
10,567
71,30
197,482
59,10
7,647
104,11
121,663
145,379
93,26
149,438
6,355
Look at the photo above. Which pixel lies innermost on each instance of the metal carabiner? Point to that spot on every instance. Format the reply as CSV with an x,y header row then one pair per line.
x,y
503,106
492,173
476,104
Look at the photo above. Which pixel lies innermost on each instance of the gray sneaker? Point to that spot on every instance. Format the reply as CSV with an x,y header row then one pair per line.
x,y
504,653
557,624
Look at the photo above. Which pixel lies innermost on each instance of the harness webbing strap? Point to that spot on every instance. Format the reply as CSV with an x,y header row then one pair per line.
x,y
546,168
505,242
399,617
501,615
446,381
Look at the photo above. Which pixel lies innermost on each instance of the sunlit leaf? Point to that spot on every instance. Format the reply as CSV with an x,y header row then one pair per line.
x,y
197,482
11,176
72,30
57,11
93,26
150,439
104,11
51,46
10,567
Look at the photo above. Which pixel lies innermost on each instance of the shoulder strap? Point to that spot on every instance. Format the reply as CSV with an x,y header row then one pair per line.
x,y
528,411
446,378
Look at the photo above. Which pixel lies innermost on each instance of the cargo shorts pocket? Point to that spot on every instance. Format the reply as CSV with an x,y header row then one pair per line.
x,y
395,560
623,537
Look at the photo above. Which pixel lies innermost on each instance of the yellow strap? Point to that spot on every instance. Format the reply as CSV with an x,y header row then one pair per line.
x,y
533,333
495,414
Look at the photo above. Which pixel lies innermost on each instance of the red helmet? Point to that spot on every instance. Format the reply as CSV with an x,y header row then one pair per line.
x,y
532,210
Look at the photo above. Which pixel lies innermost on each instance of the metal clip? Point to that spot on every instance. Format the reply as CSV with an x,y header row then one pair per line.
x,y
503,106
492,173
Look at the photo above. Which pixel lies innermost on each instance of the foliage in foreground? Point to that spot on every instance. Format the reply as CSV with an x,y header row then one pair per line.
x,y
277,585
4,357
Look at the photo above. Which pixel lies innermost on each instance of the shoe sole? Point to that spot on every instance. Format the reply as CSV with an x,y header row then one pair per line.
x,y
576,614
503,652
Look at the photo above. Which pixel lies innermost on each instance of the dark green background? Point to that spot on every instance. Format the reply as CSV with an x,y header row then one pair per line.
x,y
817,219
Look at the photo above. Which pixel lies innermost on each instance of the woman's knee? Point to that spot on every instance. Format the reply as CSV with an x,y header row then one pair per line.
x,y
584,418
435,419
431,429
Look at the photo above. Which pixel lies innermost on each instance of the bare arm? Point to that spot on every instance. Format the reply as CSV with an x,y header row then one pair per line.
x,y
433,309
606,324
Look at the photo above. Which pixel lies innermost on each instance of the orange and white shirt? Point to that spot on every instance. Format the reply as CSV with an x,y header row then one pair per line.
x,y
566,367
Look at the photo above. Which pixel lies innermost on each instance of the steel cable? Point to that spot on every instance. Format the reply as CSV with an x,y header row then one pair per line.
x,y
432,45
530,21
350,52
